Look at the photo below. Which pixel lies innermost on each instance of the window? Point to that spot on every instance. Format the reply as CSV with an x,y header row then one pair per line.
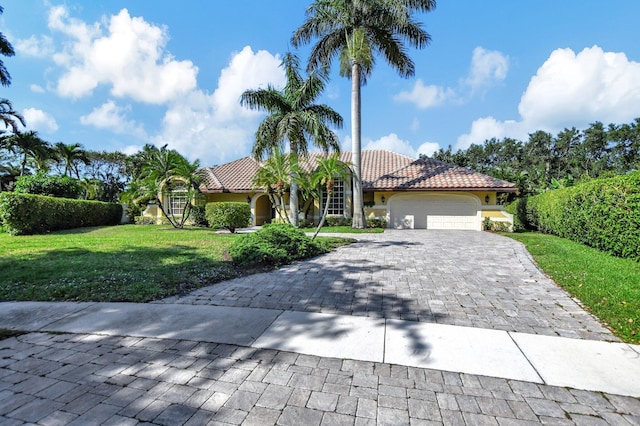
x,y
336,203
175,202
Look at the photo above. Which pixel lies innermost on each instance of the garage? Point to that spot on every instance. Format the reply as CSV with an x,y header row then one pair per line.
x,y
434,211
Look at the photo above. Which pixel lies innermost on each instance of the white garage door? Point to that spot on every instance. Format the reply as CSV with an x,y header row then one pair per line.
x,y
415,211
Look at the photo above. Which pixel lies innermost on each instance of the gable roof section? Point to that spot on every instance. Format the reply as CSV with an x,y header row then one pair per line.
x,y
434,175
381,171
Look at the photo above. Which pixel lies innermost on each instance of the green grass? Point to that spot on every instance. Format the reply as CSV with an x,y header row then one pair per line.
x,y
121,263
345,230
608,286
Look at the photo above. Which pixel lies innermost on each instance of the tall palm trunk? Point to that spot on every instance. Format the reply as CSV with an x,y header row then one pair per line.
x,y
293,193
356,148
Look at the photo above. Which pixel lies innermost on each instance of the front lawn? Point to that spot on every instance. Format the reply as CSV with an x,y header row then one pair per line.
x,y
608,286
120,263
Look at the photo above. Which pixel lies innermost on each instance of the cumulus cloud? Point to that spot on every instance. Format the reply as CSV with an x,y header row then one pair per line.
x,y
425,96
114,118
428,148
214,127
391,142
39,120
36,88
34,46
569,90
128,55
487,67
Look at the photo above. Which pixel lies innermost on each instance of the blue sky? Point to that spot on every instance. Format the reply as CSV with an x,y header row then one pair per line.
x,y
116,75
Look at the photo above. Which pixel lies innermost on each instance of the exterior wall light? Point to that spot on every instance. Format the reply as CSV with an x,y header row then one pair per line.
x,y
382,199
486,199
248,199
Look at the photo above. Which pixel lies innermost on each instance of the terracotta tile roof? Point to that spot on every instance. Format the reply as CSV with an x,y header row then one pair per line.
x,y
381,170
230,177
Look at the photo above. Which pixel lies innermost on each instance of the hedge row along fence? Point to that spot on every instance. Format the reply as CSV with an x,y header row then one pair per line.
x,y
603,213
25,214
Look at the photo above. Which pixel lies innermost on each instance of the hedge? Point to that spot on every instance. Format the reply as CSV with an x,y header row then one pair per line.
x,y
602,213
52,186
25,214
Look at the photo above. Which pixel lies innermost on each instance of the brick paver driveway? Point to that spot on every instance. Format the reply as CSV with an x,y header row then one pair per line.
x,y
464,278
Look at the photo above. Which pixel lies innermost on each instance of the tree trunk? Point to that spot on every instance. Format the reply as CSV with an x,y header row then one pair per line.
x,y
324,215
293,193
358,202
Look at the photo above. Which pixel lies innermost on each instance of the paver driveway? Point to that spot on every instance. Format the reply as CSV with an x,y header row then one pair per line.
x,y
464,278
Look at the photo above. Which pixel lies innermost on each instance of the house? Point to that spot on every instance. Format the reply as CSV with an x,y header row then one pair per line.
x,y
408,193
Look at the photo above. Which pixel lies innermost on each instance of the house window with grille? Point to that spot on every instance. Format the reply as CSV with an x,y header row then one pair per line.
x,y
175,202
336,203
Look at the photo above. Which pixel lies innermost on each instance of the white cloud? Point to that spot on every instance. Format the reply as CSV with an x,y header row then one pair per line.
x,y
39,120
131,149
36,88
487,66
214,127
33,46
391,142
114,118
569,90
425,96
128,55
574,90
428,148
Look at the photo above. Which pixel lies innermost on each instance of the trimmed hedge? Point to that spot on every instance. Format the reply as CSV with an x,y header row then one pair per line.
x,y
25,214
273,245
228,215
52,186
602,213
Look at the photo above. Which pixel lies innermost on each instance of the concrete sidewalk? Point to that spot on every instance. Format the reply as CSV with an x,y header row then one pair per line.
x,y
573,363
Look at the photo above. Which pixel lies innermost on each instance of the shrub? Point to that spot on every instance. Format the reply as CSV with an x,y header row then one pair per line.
x,y
305,223
24,214
376,222
228,215
273,245
144,220
602,213
198,216
338,221
52,186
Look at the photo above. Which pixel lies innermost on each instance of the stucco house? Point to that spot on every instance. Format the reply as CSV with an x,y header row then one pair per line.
x,y
408,193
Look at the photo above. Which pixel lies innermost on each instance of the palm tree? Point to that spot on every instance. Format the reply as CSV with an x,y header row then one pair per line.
x,y
328,170
70,155
6,50
354,31
163,171
8,116
293,118
30,147
274,176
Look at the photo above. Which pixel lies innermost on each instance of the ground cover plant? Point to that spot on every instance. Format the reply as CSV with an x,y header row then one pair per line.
x,y
119,263
608,286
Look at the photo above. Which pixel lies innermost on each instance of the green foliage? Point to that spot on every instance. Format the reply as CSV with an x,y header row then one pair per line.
x,y
52,186
273,245
338,221
228,215
602,213
376,222
144,220
518,209
198,216
25,214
